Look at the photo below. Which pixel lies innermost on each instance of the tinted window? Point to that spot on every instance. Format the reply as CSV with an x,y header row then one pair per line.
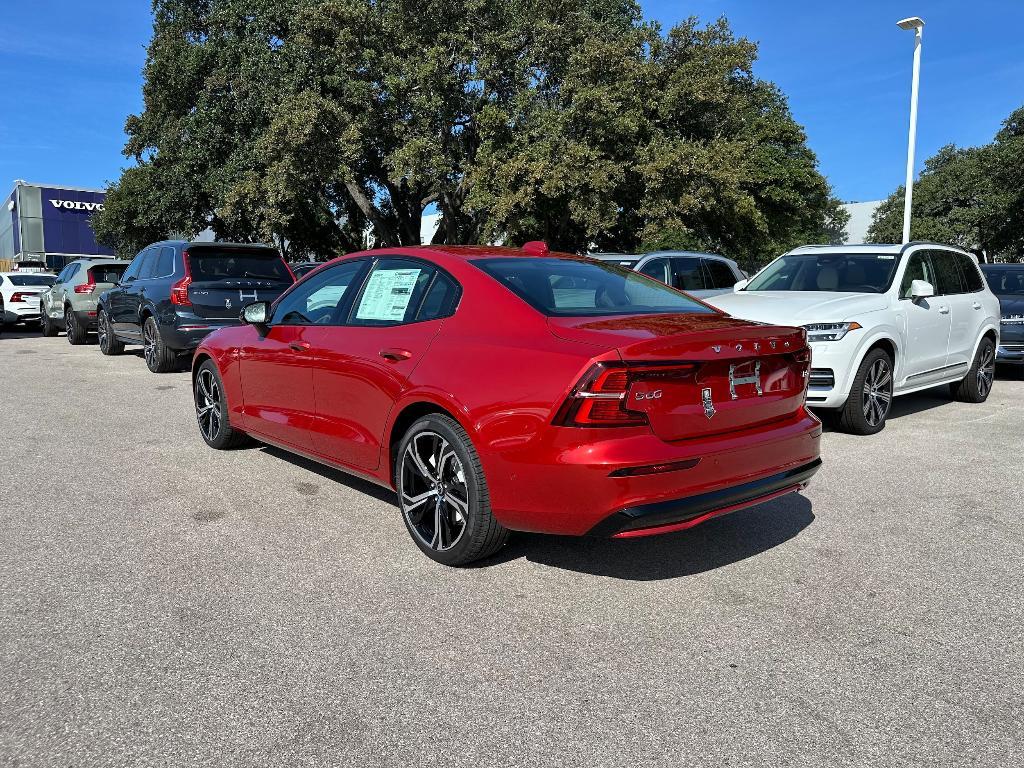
x,y
919,267
721,275
656,268
28,280
687,273
107,273
212,264
440,299
163,265
1005,279
947,274
392,292
842,272
970,273
570,287
65,273
133,269
320,300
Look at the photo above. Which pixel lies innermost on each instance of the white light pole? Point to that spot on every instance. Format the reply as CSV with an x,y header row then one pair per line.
x,y
917,25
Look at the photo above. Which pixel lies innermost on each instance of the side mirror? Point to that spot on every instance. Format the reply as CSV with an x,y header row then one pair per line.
x,y
257,313
740,286
921,289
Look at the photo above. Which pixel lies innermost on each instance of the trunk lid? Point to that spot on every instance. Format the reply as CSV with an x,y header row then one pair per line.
x,y
225,280
700,374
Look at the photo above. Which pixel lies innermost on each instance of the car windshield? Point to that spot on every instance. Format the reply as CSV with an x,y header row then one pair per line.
x,y
1005,279
211,264
45,280
573,287
840,272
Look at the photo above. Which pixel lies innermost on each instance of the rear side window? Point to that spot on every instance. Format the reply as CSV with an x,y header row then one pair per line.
x,y
973,280
212,264
392,292
164,264
688,274
565,287
721,275
947,274
441,298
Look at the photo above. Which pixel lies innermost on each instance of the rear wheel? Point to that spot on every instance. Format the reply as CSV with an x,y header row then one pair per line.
x,y
870,397
212,409
443,493
75,332
159,358
46,325
977,384
109,344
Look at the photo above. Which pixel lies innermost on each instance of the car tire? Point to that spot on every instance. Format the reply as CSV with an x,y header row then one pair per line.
x,y
73,329
870,399
976,386
212,409
109,343
447,512
159,358
46,325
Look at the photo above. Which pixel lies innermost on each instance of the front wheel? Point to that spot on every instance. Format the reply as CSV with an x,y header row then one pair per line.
x,y
109,344
159,358
46,325
443,493
977,384
870,397
212,409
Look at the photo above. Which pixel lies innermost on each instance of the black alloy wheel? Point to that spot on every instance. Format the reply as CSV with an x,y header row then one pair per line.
x,y
75,332
159,359
212,409
109,345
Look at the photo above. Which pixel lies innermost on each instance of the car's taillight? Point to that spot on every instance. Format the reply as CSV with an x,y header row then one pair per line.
x,y
179,291
599,399
87,287
18,298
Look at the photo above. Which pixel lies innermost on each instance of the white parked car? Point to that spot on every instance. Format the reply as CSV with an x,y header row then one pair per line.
x,y
882,320
699,274
19,295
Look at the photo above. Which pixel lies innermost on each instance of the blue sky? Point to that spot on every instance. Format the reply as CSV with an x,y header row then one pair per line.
x,y
71,71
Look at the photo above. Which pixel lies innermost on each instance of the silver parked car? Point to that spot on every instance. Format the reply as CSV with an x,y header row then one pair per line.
x,y
699,274
70,304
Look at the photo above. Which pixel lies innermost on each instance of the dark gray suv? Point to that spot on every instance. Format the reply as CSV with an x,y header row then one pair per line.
x,y
175,293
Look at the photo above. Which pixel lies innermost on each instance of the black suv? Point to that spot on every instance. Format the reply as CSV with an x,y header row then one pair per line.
x,y
175,293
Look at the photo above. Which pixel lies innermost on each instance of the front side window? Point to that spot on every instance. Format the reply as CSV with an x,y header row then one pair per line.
x,y
947,274
919,267
564,287
687,273
321,299
832,272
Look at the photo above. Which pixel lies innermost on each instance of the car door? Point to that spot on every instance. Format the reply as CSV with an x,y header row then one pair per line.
x,y
364,366
927,323
952,290
123,302
971,307
276,365
54,300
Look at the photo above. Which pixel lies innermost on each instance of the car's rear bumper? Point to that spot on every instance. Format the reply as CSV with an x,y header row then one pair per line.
x,y
572,483
679,514
1010,352
187,333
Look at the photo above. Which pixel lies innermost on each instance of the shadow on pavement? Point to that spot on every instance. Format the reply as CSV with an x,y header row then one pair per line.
x,y
334,475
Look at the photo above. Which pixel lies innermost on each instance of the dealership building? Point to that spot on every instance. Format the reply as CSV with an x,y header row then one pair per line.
x,y
49,223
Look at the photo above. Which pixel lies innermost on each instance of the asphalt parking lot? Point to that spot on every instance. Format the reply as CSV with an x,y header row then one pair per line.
x,y
165,604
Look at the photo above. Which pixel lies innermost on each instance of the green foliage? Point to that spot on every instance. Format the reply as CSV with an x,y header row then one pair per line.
x,y
304,122
972,198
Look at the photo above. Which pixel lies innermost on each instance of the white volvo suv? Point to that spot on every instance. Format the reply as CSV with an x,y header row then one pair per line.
x,y
882,320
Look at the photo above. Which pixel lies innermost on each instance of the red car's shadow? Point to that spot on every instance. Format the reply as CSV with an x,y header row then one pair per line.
x,y
716,543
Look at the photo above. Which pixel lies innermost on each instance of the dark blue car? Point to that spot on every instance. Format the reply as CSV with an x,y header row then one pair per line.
x,y
1007,283
175,293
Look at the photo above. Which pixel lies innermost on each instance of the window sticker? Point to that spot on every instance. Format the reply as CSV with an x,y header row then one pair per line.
x,y
387,295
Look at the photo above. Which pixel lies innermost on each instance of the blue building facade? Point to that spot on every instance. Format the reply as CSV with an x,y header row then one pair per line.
x,y
50,224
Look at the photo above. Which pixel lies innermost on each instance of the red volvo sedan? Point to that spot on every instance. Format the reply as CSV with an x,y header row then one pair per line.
x,y
502,389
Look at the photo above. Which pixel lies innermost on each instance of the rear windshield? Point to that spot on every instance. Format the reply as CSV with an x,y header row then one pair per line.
x,y
1005,280
573,288
107,273
32,279
210,264
841,272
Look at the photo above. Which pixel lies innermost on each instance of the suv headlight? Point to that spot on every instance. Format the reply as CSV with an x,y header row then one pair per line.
x,y
829,331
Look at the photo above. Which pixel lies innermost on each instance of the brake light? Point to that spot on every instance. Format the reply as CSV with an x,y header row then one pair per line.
x,y
87,287
599,399
179,291
20,298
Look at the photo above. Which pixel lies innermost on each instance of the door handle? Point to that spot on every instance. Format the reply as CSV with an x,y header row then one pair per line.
x,y
395,355
299,346
943,310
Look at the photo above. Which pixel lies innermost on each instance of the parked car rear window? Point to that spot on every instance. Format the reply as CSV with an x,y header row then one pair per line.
x,y
1005,279
208,264
107,273
839,272
570,287
31,279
